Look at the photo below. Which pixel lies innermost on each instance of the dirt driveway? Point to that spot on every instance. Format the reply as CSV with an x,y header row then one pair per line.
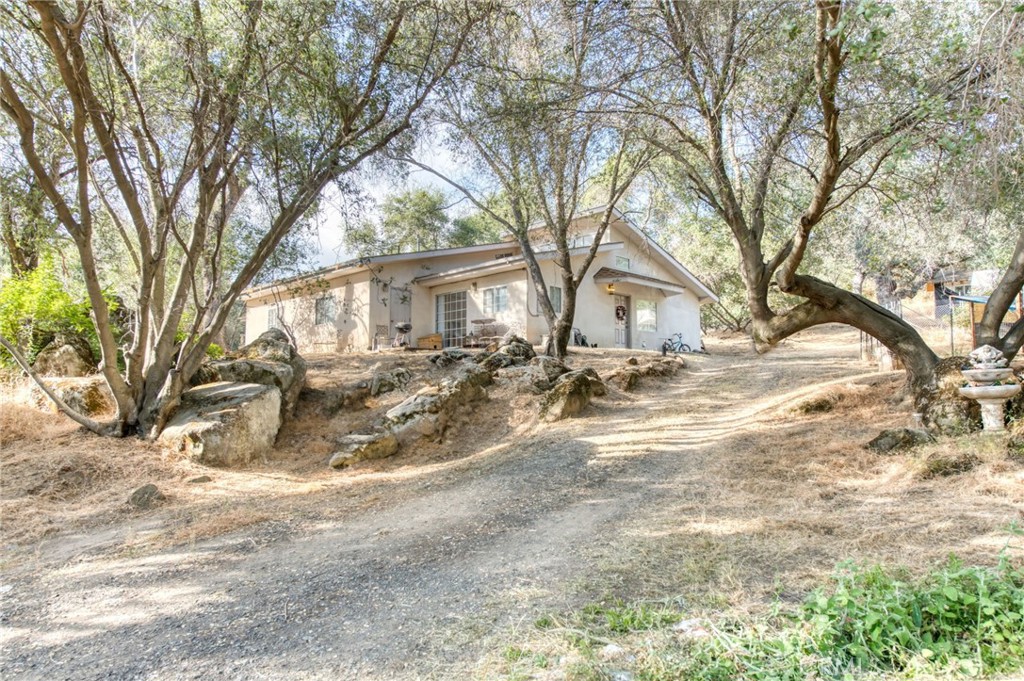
x,y
690,489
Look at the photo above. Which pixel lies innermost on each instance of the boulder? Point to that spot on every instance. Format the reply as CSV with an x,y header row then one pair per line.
x,y
145,497
569,397
526,379
626,379
597,387
516,347
88,395
271,359
897,439
387,381
947,411
943,465
429,411
262,372
632,361
471,373
225,424
353,448
61,360
551,366
496,360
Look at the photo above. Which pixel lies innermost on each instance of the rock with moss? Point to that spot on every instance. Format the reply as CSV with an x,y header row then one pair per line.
x,y
943,465
569,397
895,440
356,447
224,424
948,412
88,395
496,360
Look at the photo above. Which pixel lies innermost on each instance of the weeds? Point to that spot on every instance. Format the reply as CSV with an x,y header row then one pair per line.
x,y
867,622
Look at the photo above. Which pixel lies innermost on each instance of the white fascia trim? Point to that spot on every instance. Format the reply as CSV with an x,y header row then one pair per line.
x,y
508,264
704,294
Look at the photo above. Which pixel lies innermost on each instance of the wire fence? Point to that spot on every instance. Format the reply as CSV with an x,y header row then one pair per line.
x,y
950,329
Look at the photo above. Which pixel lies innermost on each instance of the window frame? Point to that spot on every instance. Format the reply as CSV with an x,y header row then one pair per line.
x,y
643,325
491,301
552,297
620,259
325,316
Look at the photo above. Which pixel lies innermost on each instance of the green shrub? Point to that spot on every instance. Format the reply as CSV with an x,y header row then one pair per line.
x,y
37,307
215,351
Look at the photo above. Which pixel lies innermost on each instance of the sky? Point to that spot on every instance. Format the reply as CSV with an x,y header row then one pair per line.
x,y
376,187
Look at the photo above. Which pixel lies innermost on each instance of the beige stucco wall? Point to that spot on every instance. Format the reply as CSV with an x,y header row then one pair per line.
x,y
595,307
364,302
349,330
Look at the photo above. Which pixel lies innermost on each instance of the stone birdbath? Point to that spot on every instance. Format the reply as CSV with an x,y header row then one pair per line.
x,y
989,370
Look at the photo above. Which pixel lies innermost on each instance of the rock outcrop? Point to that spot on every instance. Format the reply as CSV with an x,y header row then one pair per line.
x,y
225,424
569,397
429,411
271,359
354,448
61,360
387,381
898,439
89,396
448,357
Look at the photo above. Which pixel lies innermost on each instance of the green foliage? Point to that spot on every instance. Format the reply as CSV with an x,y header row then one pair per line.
x,y
417,220
867,622
38,306
215,351
955,619
621,618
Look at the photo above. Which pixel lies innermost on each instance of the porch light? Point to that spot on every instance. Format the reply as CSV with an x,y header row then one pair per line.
x,y
611,289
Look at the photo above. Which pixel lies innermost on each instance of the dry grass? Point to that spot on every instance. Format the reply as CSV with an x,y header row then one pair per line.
x,y
56,478
789,495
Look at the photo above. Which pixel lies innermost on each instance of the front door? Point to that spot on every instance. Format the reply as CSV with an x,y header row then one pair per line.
x,y
622,321
451,317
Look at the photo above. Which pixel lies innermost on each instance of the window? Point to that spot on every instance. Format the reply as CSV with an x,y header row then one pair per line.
x,y
495,300
325,312
621,262
647,315
273,317
555,296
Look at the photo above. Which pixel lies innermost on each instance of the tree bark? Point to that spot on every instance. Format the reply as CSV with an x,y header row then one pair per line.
x,y
1006,292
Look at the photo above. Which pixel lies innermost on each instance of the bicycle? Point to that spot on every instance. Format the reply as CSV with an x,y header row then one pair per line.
x,y
674,344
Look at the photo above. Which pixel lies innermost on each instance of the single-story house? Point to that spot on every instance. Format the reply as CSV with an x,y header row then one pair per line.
x,y
634,295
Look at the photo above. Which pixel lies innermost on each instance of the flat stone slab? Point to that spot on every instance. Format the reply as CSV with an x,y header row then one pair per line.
x,y
225,424
354,448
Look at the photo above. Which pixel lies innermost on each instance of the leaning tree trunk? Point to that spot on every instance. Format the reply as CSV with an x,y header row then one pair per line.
x,y
1006,292
826,303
